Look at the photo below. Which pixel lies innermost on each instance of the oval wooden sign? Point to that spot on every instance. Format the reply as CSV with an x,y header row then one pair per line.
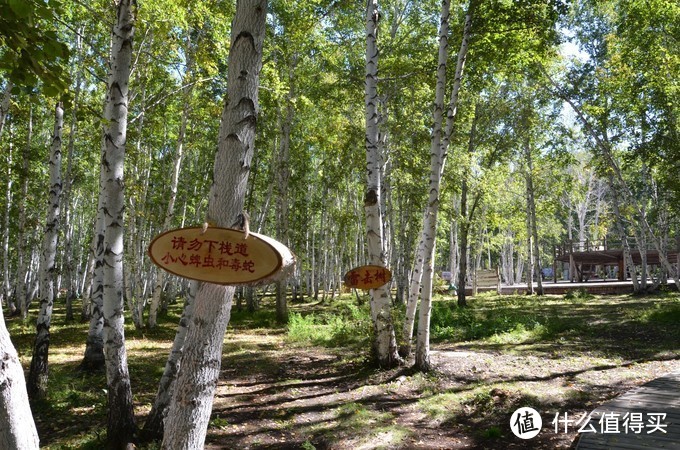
x,y
367,277
218,255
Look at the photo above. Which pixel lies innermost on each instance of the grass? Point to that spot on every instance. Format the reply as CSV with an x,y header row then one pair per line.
x,y
343,324
560,351
524,320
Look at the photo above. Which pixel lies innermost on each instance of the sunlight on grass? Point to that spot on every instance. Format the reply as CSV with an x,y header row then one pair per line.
x,y
443,406
346,325
371,429
521,333
667,313
488,400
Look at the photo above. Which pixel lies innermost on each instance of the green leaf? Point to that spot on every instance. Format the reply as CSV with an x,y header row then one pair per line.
x,y
21,8
51,91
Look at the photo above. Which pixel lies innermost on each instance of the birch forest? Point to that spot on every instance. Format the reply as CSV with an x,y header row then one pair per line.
x,y
440,139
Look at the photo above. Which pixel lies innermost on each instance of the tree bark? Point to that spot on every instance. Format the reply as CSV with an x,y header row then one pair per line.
x,y
17,428
93,359
189,410
68,228
22,265
4,105
467,214
153,427
439,148
6,287
283,177
121,427
134,256
531,220
37,379
385,343
436,138
621,228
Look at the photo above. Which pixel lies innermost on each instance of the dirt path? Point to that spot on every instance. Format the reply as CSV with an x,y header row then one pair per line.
x,y
272,395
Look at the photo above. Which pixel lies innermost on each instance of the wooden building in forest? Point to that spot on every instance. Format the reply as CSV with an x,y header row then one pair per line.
x,y
587,260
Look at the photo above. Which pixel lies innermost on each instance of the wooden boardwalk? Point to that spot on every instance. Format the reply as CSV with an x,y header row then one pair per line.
x,y
562,287
638,410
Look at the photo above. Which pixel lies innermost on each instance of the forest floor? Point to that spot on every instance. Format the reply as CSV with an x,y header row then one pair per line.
x,y
310,385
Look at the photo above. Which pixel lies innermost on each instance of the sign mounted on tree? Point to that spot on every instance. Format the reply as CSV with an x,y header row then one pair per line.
x,y
367,277
221,255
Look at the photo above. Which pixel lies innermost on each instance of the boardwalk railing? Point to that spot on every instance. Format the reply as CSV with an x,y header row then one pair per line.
x,y
598,245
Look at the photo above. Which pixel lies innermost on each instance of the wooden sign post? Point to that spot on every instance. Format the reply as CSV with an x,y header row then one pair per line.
x,y
221,255
367,277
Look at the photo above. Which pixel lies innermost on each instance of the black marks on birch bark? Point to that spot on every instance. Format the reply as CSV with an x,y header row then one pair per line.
x,y
371,197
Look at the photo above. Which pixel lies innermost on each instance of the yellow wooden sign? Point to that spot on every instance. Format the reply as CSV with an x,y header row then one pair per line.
x,y
217,255
367,277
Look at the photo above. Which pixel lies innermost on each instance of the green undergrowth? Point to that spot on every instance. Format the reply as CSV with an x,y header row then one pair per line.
x,y
342,324
511,322
579,317
667,314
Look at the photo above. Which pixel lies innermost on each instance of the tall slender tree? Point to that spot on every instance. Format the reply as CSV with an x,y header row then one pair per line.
x,y
22,265
37,379
437,161
385,343
6,286
4,104
189,411
120,424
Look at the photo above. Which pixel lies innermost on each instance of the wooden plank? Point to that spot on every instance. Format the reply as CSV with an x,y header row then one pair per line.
x,y
658,396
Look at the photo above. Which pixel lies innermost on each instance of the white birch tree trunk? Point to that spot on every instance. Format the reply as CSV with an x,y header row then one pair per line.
x,y
189,410
438,119
17,428
531,219
153,427
385,343
85,286
439,148
439,145
4,104
37,379
519,266
507,258
283,177
466,272
621,228
6,288
412,300
6,292
530,251
22,264
120,424
454,247
93,359
70,274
